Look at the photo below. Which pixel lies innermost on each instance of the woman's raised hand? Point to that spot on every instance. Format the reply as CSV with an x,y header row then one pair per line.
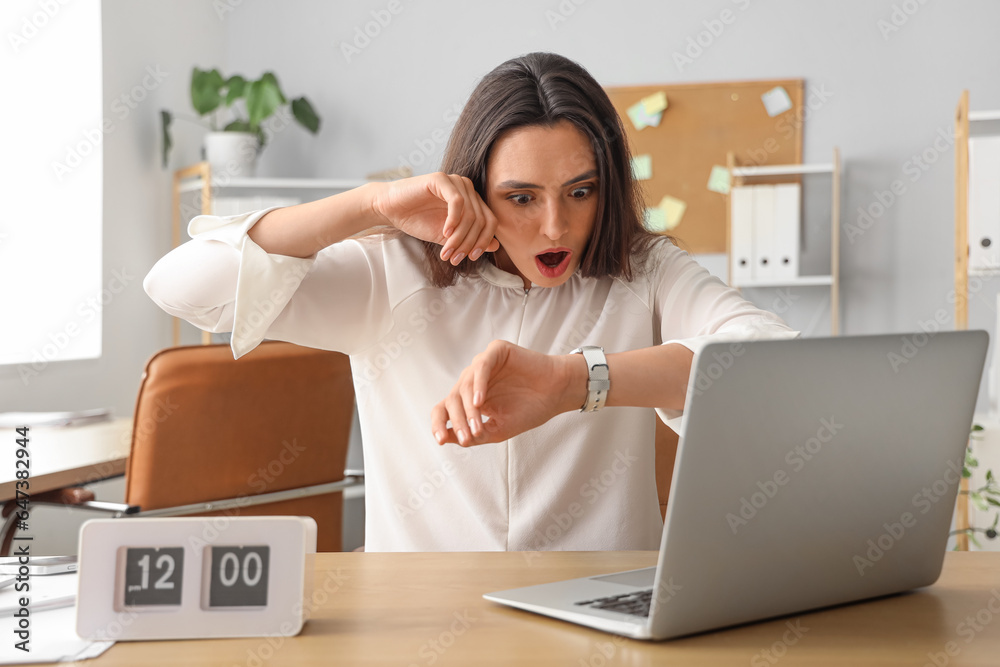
x,y
516,388
440,208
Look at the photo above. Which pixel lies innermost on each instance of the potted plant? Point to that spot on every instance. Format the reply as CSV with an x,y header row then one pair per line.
x,y
235,110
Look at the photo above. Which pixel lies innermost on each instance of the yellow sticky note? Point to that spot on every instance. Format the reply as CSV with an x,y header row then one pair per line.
x,y
642,167
718,180
655,219
654,104
673,209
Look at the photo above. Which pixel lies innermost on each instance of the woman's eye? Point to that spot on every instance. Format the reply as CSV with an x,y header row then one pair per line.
x,y
521,200
580,193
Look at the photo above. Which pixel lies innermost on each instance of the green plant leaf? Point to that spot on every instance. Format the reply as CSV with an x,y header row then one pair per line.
x,y
993,501
235,88
966,473
238,126
165,120
989,477
972,538
977,427
996,517
206,90
305,114
263,99
977,499
271,79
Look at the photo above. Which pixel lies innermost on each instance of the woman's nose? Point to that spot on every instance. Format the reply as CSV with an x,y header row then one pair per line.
x,y
554,222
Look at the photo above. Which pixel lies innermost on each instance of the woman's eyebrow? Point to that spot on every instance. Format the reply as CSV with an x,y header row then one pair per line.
x,y
521,185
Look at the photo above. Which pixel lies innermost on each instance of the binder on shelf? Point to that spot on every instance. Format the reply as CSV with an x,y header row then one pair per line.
x,y
741,234
763,232
984,203
787,222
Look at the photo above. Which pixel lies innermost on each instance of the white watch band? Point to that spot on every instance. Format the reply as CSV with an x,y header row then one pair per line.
x,y
599,382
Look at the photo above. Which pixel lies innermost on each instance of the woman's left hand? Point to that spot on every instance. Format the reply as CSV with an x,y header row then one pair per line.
x,y
518,389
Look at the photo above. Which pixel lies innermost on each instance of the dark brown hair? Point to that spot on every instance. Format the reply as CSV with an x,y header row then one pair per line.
x,y
544,89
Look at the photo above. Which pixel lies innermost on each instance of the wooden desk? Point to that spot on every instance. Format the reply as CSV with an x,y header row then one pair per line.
x,y
67,455
427,609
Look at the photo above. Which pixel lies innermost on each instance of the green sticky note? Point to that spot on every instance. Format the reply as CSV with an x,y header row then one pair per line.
x,y
640,119
655,219
642,167
718,180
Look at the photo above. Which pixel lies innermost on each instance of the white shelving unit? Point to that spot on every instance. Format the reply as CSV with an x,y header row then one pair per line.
x,y
198,179
749,175
964,120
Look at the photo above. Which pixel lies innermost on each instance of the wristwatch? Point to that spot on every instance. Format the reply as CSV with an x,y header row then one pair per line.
x,y
599,382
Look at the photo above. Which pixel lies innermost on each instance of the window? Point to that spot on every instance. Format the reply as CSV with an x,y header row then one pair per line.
x,y
51,294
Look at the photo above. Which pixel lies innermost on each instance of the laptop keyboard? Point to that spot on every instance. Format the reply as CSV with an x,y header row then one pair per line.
x,y
635,604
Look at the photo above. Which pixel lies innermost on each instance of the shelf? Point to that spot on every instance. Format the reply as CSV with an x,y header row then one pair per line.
x,y
983,116
782,170
801,281
194,184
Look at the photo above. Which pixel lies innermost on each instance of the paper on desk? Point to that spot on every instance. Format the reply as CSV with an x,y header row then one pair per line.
x,y
53,639
47,591
70,418
776,101
642,167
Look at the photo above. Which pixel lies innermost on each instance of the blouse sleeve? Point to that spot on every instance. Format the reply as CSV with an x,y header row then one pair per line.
x,y
221,280
694,308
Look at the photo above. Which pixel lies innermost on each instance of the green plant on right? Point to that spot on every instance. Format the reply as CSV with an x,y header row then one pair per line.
x,y
985,497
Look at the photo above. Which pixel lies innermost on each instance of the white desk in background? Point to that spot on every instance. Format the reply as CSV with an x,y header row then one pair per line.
x,y
66,456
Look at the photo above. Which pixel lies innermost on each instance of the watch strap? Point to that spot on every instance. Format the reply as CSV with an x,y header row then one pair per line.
x,y
599,377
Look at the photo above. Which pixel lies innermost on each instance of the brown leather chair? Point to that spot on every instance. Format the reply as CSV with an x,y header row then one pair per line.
x,y
263,435
666,452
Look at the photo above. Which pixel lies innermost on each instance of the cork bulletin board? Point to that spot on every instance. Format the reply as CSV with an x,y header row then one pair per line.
x,y
701,124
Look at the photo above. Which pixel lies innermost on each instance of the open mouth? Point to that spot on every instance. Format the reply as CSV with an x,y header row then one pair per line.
x,y
553,263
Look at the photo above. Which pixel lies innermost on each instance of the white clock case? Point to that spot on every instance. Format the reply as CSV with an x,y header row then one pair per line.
x,y
101,614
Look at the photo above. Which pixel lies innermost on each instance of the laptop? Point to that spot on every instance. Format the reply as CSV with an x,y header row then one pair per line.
x,y
810,473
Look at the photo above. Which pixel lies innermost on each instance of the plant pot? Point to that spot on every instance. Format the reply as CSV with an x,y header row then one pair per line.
x,y
232,154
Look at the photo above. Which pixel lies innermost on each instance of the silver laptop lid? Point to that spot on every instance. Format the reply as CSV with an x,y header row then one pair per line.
x,y
814,472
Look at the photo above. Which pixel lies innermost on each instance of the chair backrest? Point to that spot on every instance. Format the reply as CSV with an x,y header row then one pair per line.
x,y
208,427
666,452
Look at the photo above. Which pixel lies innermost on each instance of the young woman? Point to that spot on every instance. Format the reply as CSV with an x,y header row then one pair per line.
x,y
463,321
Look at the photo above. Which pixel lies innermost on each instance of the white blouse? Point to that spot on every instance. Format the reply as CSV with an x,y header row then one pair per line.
x,y
578,482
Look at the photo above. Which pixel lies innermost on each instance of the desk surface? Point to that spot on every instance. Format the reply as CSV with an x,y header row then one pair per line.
x,y
427,609
64,456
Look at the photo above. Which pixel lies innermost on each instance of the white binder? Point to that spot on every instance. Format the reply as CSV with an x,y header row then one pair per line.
x,y
787,222
763,232
741,234
984,203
